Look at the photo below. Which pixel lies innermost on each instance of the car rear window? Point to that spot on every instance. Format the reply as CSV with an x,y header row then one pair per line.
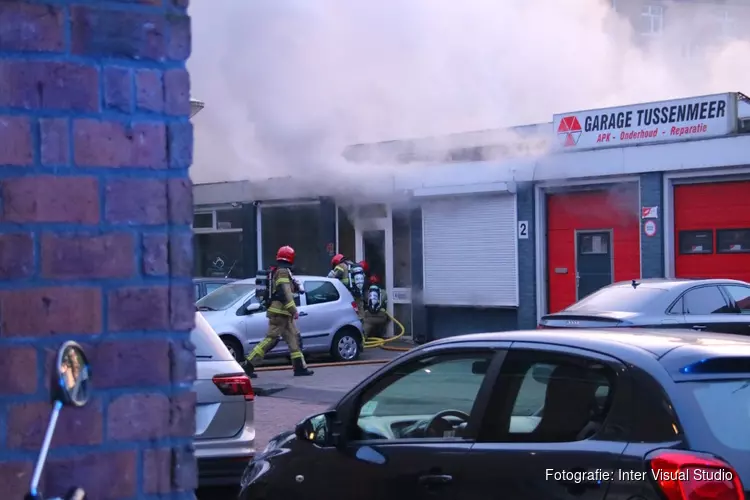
x,y
621,298
207,343
725,407
223,297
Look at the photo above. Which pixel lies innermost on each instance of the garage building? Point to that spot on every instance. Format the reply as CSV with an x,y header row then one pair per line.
x,y
470,240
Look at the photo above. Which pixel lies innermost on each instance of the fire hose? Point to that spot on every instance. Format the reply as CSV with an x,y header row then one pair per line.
x,y
370,343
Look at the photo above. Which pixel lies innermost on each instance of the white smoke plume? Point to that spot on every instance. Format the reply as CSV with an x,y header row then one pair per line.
x,y
289,83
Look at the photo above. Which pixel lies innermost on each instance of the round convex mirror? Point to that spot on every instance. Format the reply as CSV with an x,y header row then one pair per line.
x,y
73,375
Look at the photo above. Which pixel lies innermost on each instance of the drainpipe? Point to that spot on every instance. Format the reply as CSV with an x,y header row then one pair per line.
x,y
196,106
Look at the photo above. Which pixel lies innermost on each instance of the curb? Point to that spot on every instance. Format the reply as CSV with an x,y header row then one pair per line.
x,y
324,365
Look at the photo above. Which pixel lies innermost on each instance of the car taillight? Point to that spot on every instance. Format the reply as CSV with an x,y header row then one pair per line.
x,y
354,305
683,475
237,384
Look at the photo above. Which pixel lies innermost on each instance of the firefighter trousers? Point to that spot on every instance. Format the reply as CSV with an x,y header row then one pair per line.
x,y
374,324
279,327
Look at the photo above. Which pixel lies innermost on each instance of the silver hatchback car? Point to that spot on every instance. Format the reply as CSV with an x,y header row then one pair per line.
x,y
327,321
224,428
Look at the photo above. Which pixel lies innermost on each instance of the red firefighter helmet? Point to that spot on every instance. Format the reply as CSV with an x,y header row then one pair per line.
x,y
374,279
365,266
336,260
286,254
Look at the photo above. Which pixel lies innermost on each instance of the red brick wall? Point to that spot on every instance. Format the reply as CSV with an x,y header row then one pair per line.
x,y
95,242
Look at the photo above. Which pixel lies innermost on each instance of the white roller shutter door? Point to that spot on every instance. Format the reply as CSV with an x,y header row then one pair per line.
x,y
470,256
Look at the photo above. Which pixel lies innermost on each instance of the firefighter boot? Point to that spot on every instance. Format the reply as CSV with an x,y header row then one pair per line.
x,y
300,369
249,369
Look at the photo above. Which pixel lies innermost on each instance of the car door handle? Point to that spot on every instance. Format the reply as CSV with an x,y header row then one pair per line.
x,y
699,328
435,479
303,313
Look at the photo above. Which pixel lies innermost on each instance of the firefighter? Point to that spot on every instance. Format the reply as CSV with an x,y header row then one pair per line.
x,y
352,275
375,309
281,314
366,268
340,269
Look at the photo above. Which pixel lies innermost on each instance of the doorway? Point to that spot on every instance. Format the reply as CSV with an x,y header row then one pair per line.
x,y
374,243
373,251
594,261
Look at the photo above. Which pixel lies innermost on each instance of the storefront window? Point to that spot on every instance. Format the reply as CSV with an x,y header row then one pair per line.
x,y
203,220
219,255
228,219
297,226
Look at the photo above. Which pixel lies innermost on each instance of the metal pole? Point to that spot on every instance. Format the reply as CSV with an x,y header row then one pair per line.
x,y
45,448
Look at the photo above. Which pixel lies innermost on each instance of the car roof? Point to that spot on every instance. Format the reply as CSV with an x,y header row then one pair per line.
x,y
673,283
214,280
613,341
303,277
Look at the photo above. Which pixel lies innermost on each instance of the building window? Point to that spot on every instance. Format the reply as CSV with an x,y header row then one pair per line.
x,y
204,220
297,226
652,20
733,241
696,242
229,219
218,255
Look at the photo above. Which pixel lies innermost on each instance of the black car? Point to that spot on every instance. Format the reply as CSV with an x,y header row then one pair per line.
x,y
712,305
565,414
204,286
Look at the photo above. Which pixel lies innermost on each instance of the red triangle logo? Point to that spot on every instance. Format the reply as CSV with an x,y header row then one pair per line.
x,y
574,124
564,125
569,141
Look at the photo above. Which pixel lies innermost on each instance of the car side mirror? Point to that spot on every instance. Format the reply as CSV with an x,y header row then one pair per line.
x,y
252,307
317,429
70,386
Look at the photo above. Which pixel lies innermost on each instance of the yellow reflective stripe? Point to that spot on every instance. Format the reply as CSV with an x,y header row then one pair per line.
x,y
289,304
295,355
282,280
278,311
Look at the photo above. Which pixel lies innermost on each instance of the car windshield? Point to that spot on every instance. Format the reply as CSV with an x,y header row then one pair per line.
x,y
620,298
223,297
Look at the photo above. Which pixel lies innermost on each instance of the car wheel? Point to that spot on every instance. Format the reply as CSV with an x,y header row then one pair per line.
x,y
346,345
234,347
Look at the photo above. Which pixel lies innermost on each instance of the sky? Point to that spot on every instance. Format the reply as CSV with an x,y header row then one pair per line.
x,y
289,83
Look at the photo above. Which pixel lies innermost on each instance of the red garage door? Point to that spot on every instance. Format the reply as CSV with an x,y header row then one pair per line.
x,y
592,234
712,230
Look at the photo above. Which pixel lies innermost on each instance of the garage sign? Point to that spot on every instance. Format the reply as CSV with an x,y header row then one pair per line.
x,y
666,121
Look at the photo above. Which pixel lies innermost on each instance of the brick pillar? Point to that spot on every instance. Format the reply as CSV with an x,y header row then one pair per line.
x,y
95,243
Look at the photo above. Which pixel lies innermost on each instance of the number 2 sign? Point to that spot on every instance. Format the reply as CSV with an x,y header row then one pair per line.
x,y
523,230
